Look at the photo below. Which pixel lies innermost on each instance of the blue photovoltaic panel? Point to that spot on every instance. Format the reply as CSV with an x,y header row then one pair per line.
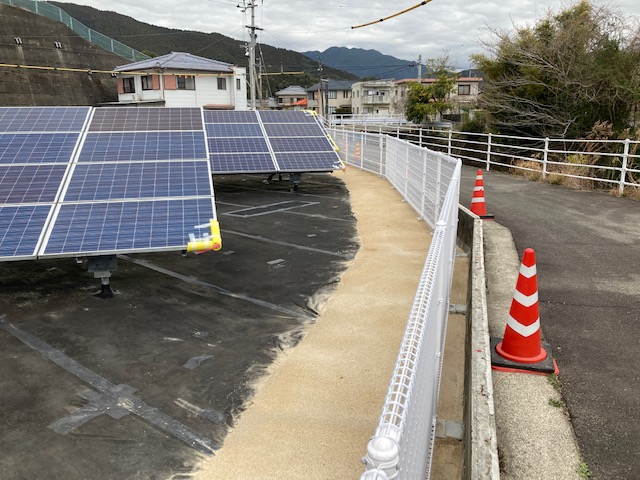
x,y
286,116
119,181
37,147
242,163
127,226
42,119
30,183
294,130
238,145
309,162
101,147
230,116
300,144
139,182
234,130
20,230
133,119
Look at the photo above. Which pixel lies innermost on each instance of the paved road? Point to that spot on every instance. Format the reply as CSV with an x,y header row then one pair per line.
x,y
588,257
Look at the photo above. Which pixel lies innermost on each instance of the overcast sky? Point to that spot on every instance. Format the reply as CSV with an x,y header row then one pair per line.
x,y
441,26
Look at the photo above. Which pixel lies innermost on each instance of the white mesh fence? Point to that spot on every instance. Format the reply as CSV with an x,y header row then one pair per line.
x,y
402,445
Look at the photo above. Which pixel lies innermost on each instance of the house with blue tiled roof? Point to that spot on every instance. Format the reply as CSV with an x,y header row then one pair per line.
x,y
183,80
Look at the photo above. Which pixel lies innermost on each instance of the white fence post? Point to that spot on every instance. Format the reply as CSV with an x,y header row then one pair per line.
x,y
423,199
449,144
488,151
623,171
545,158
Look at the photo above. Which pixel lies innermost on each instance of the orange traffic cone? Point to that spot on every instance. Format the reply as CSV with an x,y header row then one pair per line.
x,y
477,202
521,349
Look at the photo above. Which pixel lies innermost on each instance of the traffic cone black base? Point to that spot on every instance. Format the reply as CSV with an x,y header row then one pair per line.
x,y
545,367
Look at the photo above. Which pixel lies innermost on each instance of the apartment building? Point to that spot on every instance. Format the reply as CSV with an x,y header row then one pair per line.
x,y
373,97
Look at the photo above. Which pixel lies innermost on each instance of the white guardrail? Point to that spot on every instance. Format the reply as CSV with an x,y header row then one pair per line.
x,y
603,163
402,445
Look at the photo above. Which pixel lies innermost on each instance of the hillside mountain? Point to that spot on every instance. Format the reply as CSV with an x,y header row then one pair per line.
x,y
365,63
160,40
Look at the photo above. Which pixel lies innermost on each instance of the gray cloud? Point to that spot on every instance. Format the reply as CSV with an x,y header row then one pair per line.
x,y
453,26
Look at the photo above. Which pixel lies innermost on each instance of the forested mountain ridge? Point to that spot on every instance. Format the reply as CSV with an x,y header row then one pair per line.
x,y
156,40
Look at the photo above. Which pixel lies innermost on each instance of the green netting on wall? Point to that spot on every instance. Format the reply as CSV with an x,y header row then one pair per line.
x,y
55,13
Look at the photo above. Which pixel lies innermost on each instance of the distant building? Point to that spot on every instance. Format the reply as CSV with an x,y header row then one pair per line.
x,y
292,98
331,96
183,80
465,92
373,97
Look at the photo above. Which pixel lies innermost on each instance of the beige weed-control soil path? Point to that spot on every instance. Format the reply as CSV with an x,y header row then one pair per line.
x,y
314,412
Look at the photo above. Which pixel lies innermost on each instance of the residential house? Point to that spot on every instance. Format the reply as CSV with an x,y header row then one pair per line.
x,y
183,80
330,96
292,98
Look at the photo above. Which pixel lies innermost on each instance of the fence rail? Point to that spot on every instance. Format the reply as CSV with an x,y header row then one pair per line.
x,y
402,445
590,163
55,13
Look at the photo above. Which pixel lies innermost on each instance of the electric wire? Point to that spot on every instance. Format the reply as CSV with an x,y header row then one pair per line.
x,y
424,2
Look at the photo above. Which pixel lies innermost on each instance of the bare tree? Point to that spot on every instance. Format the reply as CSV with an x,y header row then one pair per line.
x,y
562,75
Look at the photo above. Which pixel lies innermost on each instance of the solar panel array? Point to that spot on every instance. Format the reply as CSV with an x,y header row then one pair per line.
x,y
36,149
268,141
80,181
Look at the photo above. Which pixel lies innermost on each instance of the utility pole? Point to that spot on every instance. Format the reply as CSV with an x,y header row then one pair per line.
x,y
419,68
251,49
320,89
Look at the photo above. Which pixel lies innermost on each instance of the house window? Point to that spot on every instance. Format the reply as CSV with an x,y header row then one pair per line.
x,y
332,94
147,82
280,100
222,83
128,85
238,84
345,94
464,89
185,82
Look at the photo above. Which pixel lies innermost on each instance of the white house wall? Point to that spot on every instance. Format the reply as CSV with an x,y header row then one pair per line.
x,y
206,91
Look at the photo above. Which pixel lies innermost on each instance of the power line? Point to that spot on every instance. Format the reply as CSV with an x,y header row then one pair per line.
x,y
394,15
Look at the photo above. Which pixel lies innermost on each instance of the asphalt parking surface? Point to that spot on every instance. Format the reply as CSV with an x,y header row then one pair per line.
x,y
143,385
587,253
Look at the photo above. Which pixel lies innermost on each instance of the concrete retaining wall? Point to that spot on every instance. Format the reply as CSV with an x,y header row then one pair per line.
x,y
480,439
29,87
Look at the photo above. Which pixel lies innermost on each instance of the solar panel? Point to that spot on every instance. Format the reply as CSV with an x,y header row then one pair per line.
x,y
238,145
20,230
170,145
286,116
242,163
30,183
254,141
309,162
294,129
300,144
122,227
43,119
37,147
234,130
119,181
133,119
82,181
230,116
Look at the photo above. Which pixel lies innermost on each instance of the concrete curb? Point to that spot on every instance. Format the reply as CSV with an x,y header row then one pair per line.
x,y
481,446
